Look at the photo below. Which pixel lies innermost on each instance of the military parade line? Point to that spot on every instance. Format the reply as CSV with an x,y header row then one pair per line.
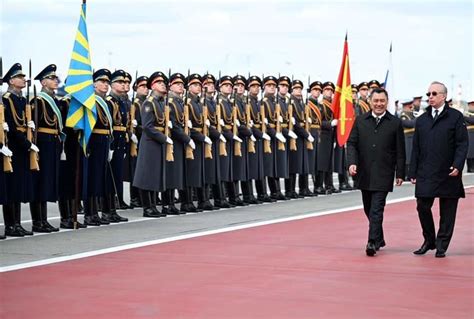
x,y
198,135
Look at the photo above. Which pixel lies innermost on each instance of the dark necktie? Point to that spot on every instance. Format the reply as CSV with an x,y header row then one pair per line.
x,y
436,115
377,121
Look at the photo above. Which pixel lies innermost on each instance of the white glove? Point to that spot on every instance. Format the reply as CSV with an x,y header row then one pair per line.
x,y
280,137
111,154
192,144
310,120
292,134
238,139
170,125
169,140
221,122
293,120
5,127
31,125
253,138
222,138
237,122
265,136
134,139
190,124
251,123
34,148
207,140
208,123
333,122
265,120
280,118
134,123
310,138
6,151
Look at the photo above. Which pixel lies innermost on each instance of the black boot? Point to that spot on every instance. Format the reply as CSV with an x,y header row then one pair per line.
x,y
330,189
91,216
135,199
65,212
35,210
344,182
148,211
262,195
233,197
18,220
44,218
219,200
170,200
318,183
203,201
9,218
303,184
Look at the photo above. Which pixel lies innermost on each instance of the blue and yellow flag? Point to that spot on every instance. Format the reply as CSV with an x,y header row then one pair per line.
x,y
82,113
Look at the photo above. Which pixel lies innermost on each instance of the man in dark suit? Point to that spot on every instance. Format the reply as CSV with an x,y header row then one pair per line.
x,y
376,151
440,146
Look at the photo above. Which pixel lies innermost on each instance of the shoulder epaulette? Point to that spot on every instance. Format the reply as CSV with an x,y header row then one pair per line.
x,y
265,99
170,100
150,99
109,98
6,95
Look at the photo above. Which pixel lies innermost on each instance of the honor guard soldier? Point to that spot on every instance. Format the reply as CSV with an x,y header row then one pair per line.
x,y
18,182
240,162
363,102
212,167
135,127
195,174
68,170
182,143
156,146
314,110
374,84
255,159
469,120
49,140
298,155
96,161
282,103
416,105
273,120
325,149
5,152
408,123
227,123
355,100
114,177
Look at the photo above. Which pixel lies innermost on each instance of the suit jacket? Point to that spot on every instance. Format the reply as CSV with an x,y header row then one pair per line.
x,y
438,145
378,151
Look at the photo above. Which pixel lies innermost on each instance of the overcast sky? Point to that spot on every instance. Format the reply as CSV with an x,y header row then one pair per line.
x,y
432,40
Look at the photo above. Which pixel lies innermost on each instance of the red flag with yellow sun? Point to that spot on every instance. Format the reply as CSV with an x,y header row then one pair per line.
x,y
342,102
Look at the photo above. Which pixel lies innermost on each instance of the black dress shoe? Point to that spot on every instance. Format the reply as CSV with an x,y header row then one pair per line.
x,y
440,254
305,193
117,218
12,231
50,227
370,250
205,205
345,187
135,202
424,248
379,244
237,202
69,224
2,237
108,217
24,231
39,228
320,191
123,205
92,221
266,199
252,201
222,204
332,190
173,210
152,213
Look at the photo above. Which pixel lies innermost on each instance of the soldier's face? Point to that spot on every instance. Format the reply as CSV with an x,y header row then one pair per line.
x,y
211,88
177,87
118,87
315,93
364,92
283,89
226,88
297,92
18,82
195,88
50,83
101,86
354,95
254,89
127,86
328,92
159,86
142,89
378,103
270,89
240,88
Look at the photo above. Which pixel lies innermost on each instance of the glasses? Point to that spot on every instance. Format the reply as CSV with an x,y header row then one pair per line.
x,y
434,93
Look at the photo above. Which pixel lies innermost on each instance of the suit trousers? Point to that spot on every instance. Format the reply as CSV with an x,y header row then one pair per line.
x,y
374,204
447,211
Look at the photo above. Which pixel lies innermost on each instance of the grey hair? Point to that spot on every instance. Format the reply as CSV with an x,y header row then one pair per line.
x,y
445,89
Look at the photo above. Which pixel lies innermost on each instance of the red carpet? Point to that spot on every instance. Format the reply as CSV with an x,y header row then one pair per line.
x,y
310,268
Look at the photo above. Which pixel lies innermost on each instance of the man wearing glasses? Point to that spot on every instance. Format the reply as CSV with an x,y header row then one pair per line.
x,y
439,151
